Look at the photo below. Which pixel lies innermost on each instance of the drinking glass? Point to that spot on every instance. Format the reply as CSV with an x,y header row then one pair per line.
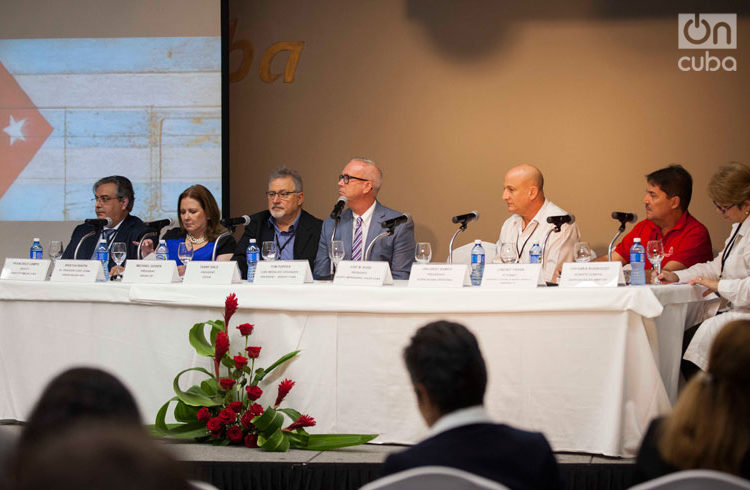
x,y
423,252
655,254
55,250
508,253
119,252
268,251
337,252
185,253
582,252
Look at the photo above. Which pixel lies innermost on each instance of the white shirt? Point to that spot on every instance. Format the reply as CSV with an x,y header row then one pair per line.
x,y
366,219
559,245
734,283
102,235
463,416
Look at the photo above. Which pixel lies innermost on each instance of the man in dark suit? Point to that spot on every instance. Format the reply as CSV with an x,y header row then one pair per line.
x,y
295,231
360,223
113,198
449,378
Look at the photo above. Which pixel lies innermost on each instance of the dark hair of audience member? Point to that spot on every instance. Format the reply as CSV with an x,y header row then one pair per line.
x,y
209,206
445,358
674,181
710,425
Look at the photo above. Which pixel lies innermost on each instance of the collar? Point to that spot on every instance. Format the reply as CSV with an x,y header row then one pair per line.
x,y
292,227
538,217
117,226
463,416
367,214
681,223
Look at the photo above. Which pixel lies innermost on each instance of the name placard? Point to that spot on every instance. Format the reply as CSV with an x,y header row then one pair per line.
x,y
283,272
591,275
25,269
437,275
511,276
77,271
151,272
205,272
358,273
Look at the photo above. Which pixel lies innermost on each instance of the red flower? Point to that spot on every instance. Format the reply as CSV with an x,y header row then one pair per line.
x,y
284,388
256,409
251,440
246,329
246,418
240,362
226,383
215,424
203,414
253,351
222,345
254,392
302,421
234,434
228,415
230,307
236,407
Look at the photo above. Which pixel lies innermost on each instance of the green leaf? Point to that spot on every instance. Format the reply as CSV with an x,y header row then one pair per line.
x,y
198,340
278,441
185,413
194,396
325,442
227,361
290,412
260,374
210,387
183,431
269,422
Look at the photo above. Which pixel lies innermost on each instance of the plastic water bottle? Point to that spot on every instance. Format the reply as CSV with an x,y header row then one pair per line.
x,y
637,263
477,263
252,259
102,255
535,254
36,251
162,253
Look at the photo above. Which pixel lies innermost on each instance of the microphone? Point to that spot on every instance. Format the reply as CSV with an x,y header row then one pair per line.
x,y
242,220
465,218
393,222
159,224
99,223
558,221
338,208
624,217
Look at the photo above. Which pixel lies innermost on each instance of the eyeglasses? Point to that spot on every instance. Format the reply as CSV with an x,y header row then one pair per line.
x,y
103,199
283,195
346,178
723,209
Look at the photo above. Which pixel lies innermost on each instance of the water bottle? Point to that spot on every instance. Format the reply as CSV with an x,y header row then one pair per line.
x,y
252,259
162,253
637,263
477,263
102,255
535,254
36,251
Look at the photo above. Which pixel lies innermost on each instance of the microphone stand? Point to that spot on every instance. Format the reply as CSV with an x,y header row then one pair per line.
x,y
450,245
387,232
230,231
98,231
330,244
139,253
612,243
556,229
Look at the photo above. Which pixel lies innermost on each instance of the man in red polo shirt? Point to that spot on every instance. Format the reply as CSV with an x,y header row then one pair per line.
x,y
686,240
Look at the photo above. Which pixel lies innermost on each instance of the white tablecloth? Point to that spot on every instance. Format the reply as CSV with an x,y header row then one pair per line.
x,y
589,368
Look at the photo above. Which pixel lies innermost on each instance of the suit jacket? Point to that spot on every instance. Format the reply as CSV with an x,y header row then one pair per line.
x,y
131,230
512,457
397,249
305,238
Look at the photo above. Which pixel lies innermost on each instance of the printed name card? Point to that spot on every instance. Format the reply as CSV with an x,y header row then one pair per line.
x,y
592,275
151,272
77,271
358,273
511,276
437,275
25,269
283,272
204,272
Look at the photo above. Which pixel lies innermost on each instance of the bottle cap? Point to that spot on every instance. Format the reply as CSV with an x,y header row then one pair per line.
x,y
637,240
252,240
478,242
162,242
36,239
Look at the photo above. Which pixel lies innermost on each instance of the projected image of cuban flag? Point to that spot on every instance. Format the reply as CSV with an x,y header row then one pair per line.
x,y
75,110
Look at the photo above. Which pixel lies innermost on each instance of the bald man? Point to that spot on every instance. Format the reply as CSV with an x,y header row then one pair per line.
x,y
523,193
360,182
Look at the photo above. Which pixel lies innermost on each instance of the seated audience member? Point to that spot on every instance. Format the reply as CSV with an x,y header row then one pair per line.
x,y
686,240
113,198
449,378
727,275
198,216
295,231
710,425
523,193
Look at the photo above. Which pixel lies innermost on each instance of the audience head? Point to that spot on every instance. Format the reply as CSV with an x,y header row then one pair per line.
x,y
113,197
360,182
523,191
446,368
285,196
668,193
729,189
198,213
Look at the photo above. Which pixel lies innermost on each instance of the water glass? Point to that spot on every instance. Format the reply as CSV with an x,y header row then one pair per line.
x,y
508,253
655,254
268,250
337,252
582,252
55,250
423,252
119,253
185,253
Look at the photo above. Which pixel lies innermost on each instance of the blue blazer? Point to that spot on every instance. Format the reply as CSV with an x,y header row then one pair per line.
x,y
397,249
131,230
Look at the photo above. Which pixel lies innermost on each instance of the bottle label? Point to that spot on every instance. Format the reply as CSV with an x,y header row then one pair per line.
x,y
477,258
636,257
102,256
252,256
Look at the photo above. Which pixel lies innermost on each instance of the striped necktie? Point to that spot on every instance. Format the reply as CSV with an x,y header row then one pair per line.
x,y
357,243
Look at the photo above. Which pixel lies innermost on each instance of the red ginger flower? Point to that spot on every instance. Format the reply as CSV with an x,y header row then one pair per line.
x,y
215,424
228,415
230,307
226,383
284,388
302,421
236,407
253,351
246,329
251,440
240,361
222,345
253,392
203,414
234,434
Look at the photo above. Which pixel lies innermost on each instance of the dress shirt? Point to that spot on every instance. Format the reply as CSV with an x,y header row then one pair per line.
x,y
463,416
285,238
366,220
559,246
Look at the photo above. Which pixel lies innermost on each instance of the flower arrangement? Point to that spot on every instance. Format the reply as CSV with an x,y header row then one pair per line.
x,y
226,410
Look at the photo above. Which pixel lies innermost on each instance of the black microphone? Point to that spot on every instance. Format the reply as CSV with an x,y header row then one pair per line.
x,y
338,208
393,222
159,224
242,220
99,223
624,217
558,221
465,218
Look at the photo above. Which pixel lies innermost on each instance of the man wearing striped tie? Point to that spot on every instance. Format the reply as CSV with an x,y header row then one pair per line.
x,y
360,223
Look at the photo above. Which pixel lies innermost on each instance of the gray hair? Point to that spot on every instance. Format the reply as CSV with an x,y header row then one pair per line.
x,y
124,188
282,173
378,181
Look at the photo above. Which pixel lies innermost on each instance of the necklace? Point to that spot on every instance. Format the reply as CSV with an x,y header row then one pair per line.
x,y
195,241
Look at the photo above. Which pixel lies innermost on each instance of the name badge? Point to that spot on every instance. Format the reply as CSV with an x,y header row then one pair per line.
x,y
437,275
283,272
25,269
592,275
511,276
151,272
359,273
77,271
205,272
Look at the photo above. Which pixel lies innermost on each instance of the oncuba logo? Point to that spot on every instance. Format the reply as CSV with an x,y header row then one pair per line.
x,y
707,31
